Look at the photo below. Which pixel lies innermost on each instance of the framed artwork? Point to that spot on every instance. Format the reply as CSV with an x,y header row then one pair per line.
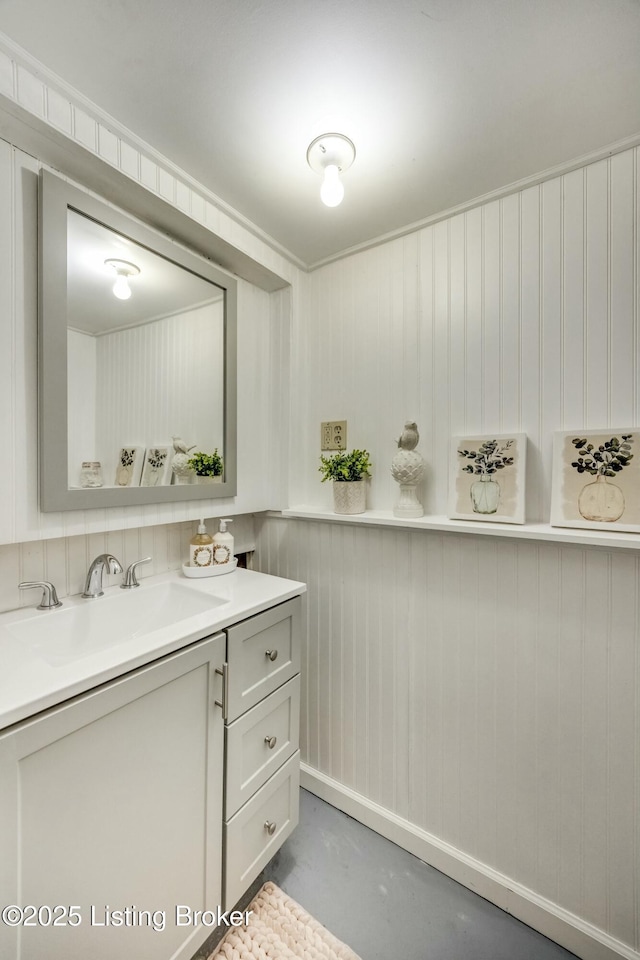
x,y
596,479
488,477
157,467
129,466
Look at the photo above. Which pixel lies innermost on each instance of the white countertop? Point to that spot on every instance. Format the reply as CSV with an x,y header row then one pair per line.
x,y
29,684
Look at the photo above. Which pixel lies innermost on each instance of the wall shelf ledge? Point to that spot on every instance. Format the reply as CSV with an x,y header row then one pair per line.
x,y
527,531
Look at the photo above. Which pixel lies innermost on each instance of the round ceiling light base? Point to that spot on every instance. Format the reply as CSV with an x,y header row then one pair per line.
x,y
330,149
123,267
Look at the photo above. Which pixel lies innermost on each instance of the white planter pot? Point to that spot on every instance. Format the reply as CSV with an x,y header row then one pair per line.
x,y
208,479
349,497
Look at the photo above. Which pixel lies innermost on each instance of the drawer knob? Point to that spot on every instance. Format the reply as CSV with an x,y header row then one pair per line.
x,y
270,827
272,654
271,742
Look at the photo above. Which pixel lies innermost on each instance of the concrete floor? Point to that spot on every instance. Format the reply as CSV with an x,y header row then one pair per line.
x,y
385,903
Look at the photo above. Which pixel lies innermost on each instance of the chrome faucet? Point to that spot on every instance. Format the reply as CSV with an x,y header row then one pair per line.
x,y
93,585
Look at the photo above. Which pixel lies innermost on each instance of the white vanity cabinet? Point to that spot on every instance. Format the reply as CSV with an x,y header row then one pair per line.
x,y
169,786
112,801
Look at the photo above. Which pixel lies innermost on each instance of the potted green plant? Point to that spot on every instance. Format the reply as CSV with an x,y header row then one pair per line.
x,y
349,473
208,467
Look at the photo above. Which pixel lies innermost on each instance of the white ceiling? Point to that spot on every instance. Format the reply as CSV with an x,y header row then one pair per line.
x,y
445,100
161,289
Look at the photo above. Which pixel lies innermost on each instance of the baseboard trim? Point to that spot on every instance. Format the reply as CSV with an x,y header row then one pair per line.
x,y
584,939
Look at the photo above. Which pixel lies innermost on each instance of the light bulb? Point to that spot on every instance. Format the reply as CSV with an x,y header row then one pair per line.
x,y
124,269
331,191
121,288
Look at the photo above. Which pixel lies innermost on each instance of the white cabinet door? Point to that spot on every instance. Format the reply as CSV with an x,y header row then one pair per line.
x,y
112,803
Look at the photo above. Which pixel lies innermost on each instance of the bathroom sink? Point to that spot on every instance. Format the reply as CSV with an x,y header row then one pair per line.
x,y
62,636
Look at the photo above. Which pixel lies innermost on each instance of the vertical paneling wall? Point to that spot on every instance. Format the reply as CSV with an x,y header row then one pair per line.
x,y
263,322
82,373
517,315
486,691
65,560
167,372
262,341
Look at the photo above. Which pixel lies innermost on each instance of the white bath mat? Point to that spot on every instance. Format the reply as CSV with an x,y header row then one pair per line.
x,y
280,929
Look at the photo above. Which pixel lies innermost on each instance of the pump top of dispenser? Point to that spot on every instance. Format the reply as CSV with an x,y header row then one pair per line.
x,y
223,524
201,527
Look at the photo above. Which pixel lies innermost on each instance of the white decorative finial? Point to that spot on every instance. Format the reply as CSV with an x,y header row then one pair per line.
x,y
180,463
407,469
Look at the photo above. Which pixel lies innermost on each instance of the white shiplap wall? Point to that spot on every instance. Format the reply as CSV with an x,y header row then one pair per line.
x,y
262,340
167,372
502,714
487,693
464,693
65,560
78,127
517,315
81,400
49,111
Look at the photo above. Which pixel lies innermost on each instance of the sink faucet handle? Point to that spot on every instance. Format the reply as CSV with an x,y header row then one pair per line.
x,y
130,579
49,599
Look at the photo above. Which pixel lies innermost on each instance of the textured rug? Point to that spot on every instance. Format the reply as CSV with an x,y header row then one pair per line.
x,y
279,929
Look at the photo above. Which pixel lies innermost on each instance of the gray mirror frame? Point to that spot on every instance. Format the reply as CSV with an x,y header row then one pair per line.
x,y
55,196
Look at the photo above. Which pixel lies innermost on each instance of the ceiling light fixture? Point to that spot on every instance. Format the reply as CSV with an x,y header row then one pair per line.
x,y
330,155
124,269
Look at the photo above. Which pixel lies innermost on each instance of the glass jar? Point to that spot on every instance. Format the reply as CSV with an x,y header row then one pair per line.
x,y
91,473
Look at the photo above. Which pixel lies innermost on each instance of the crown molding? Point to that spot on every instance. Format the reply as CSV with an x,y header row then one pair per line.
x,y
34,112
509,189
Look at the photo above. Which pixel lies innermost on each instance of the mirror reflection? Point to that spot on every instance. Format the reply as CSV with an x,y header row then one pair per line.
x,y
145,365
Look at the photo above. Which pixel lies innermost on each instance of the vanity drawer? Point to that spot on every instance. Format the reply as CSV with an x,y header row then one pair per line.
x,y
263,653
259,828
259,742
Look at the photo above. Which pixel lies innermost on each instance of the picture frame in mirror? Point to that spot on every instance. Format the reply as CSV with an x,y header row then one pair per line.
x,y
129,466
157,469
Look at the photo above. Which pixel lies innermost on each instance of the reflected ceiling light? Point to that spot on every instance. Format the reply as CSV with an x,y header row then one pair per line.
x,y
124,269
330,155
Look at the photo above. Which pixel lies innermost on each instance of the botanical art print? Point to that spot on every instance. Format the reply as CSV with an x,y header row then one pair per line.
x,y
157,467
129,466
596,479
488,477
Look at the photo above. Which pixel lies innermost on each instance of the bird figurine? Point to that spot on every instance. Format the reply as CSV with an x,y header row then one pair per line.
x,y
180,446
409,438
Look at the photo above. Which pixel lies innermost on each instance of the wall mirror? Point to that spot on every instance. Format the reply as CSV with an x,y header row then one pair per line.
x,y
137,360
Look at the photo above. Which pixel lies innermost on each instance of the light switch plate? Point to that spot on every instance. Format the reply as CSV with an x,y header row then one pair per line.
x,y
333,435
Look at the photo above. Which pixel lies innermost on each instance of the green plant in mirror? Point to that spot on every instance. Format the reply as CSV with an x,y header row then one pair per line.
x,y
345,466
207,464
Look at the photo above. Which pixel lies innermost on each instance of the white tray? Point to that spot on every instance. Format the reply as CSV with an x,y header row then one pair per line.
x,y
214,571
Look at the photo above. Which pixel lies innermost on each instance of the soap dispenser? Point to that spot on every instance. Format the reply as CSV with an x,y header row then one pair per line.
x,y
223,544
201,548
